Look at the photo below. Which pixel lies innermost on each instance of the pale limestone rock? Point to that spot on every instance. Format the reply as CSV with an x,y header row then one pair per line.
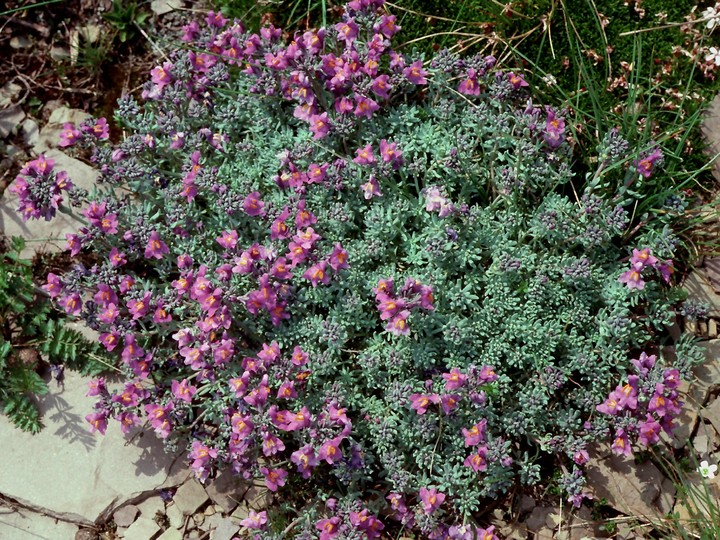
x,y
199,519
111,471
699,289
161,7
225,530
628,487
9,93
536,519
143,529
125,516
30,131
10,118
227,490
20,42
151,507
21,524
190,496
171,534
41,234
175,516
50,133
258,497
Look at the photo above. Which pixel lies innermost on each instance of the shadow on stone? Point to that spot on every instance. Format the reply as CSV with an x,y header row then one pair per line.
x,y
72,427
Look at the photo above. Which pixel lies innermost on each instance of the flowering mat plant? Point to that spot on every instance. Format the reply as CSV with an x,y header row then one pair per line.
x,y
371,280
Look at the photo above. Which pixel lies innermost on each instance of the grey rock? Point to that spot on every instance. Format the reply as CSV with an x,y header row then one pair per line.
x,y
30,131
9,93
227,490
537,518
190,496
699,289
20,42
527,503
544,534
59,54
514,531
87,534
142,529
21,524
710,130
41,234
225,530
10,118
161,7
171,534
151,507
175,516
258,497
199,519
631,488
712,414
112,472
125,516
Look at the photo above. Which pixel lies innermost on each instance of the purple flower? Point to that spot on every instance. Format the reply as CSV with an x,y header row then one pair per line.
x,y
632,279
305,460
160,419
330,450
69,136
99,129
338,258
649,431
387,26
476,434
156,248
317,274
274,478
253,206
390,154
365,156
398,325
228,239
347,31
621,444
54,285
415,73
647,163
477,461
454,379
517,81
365,106
97,421
183,391
642,258
371,188
319,125
431,499
644,364
255,520
470,86
421,402
329,528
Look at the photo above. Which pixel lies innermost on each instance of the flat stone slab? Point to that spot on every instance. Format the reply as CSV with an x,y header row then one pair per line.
x,y
71,473
634,489
40,234
20,524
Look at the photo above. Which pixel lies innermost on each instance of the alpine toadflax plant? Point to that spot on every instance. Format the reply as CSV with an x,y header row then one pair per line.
x,y
344,270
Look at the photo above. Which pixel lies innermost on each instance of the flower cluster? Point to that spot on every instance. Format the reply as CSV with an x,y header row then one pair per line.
x,y
39,188
395,307
641,260
273,184
644,406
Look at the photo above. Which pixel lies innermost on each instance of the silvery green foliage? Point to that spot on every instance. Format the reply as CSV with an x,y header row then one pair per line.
x,y
468,209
